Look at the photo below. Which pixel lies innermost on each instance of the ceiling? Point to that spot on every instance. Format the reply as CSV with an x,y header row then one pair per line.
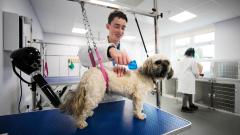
x,y
59,16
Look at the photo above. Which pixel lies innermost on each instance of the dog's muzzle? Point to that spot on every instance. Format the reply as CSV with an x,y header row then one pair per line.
x,y
161,70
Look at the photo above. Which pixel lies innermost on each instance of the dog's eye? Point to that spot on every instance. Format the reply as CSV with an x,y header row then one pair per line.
x,y
158,62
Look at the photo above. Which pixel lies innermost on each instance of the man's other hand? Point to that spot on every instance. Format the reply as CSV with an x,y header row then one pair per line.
x,y
119,70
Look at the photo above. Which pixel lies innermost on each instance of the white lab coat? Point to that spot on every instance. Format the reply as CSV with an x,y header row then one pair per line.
x,y
187,71
102,47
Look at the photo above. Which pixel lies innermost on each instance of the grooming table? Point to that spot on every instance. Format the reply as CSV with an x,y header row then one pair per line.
x,y
62,80
112,118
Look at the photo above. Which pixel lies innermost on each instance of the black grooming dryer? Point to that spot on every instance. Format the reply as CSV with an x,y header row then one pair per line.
x,y
28,60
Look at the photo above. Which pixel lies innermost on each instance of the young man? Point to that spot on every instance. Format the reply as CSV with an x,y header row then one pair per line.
x,y
110,48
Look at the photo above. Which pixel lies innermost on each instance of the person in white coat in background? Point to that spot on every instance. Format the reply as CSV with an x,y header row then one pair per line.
x,y
109,49
189,70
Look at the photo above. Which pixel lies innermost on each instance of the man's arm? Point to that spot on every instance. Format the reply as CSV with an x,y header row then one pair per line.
x,y
120,57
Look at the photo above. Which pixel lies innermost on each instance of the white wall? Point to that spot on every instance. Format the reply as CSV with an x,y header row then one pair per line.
x,y
1,46
1,53
227,41
63,39
24,8
165,46
1,29
227,36
134,49
57,54
9,91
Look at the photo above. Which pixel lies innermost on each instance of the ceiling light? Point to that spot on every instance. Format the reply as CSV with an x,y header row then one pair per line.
x,y
79,30
105,4
182,17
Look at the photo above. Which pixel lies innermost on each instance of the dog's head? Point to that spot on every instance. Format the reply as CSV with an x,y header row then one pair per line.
x,y
158,67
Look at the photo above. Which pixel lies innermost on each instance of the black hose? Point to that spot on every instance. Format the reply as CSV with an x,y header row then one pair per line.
x,y
141,36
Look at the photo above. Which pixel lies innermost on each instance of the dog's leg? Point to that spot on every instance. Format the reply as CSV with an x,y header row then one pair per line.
x,y
81,121
91,102
90,113
138,106
87,112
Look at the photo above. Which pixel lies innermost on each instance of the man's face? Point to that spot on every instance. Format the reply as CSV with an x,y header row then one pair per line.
x,y
116,29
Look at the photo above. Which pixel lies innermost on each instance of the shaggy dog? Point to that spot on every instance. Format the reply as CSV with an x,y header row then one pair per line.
x,y
134,85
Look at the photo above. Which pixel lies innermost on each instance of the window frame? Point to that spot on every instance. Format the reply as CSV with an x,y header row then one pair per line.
x,y
193,44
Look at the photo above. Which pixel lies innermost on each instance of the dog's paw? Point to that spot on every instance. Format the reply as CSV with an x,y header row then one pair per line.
x,y
140,116
82,124
90,114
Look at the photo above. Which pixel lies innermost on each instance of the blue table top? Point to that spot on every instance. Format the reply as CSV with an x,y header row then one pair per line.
x,y
113,118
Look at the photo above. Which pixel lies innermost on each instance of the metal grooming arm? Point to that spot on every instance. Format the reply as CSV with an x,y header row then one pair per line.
x,y
155,14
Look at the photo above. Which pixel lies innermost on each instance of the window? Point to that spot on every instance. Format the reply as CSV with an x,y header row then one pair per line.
x,y
204,38
180,52
182,41
205,51
203,44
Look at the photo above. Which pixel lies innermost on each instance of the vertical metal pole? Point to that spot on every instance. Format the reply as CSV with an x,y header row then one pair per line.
x,y
42,53
34,95
31,32
159,83
158,94
156,25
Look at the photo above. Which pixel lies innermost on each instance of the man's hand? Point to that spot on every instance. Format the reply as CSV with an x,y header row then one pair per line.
x,y
119,70
119,57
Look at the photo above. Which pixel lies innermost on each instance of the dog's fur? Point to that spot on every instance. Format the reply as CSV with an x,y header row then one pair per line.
x,y
134,85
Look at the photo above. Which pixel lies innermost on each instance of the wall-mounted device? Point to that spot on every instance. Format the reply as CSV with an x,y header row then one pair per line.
x,y
17,31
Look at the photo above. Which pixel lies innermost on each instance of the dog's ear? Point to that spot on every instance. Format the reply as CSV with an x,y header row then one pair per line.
x,y
146,68
170,74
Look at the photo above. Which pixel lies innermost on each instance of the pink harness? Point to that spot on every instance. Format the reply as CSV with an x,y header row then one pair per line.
x,y
104,73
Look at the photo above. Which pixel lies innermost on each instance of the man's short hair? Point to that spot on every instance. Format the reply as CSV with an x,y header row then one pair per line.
x,y
190,52
118,14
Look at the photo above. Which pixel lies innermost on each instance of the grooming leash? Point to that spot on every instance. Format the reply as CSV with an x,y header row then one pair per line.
x,y
89,37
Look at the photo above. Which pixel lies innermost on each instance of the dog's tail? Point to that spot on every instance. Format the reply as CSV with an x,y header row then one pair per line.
x,y
74,102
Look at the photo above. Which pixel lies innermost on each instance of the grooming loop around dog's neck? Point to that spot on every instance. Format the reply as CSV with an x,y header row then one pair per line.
x,y
154,81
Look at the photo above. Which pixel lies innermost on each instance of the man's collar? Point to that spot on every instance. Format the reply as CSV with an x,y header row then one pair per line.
x,y
116,45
